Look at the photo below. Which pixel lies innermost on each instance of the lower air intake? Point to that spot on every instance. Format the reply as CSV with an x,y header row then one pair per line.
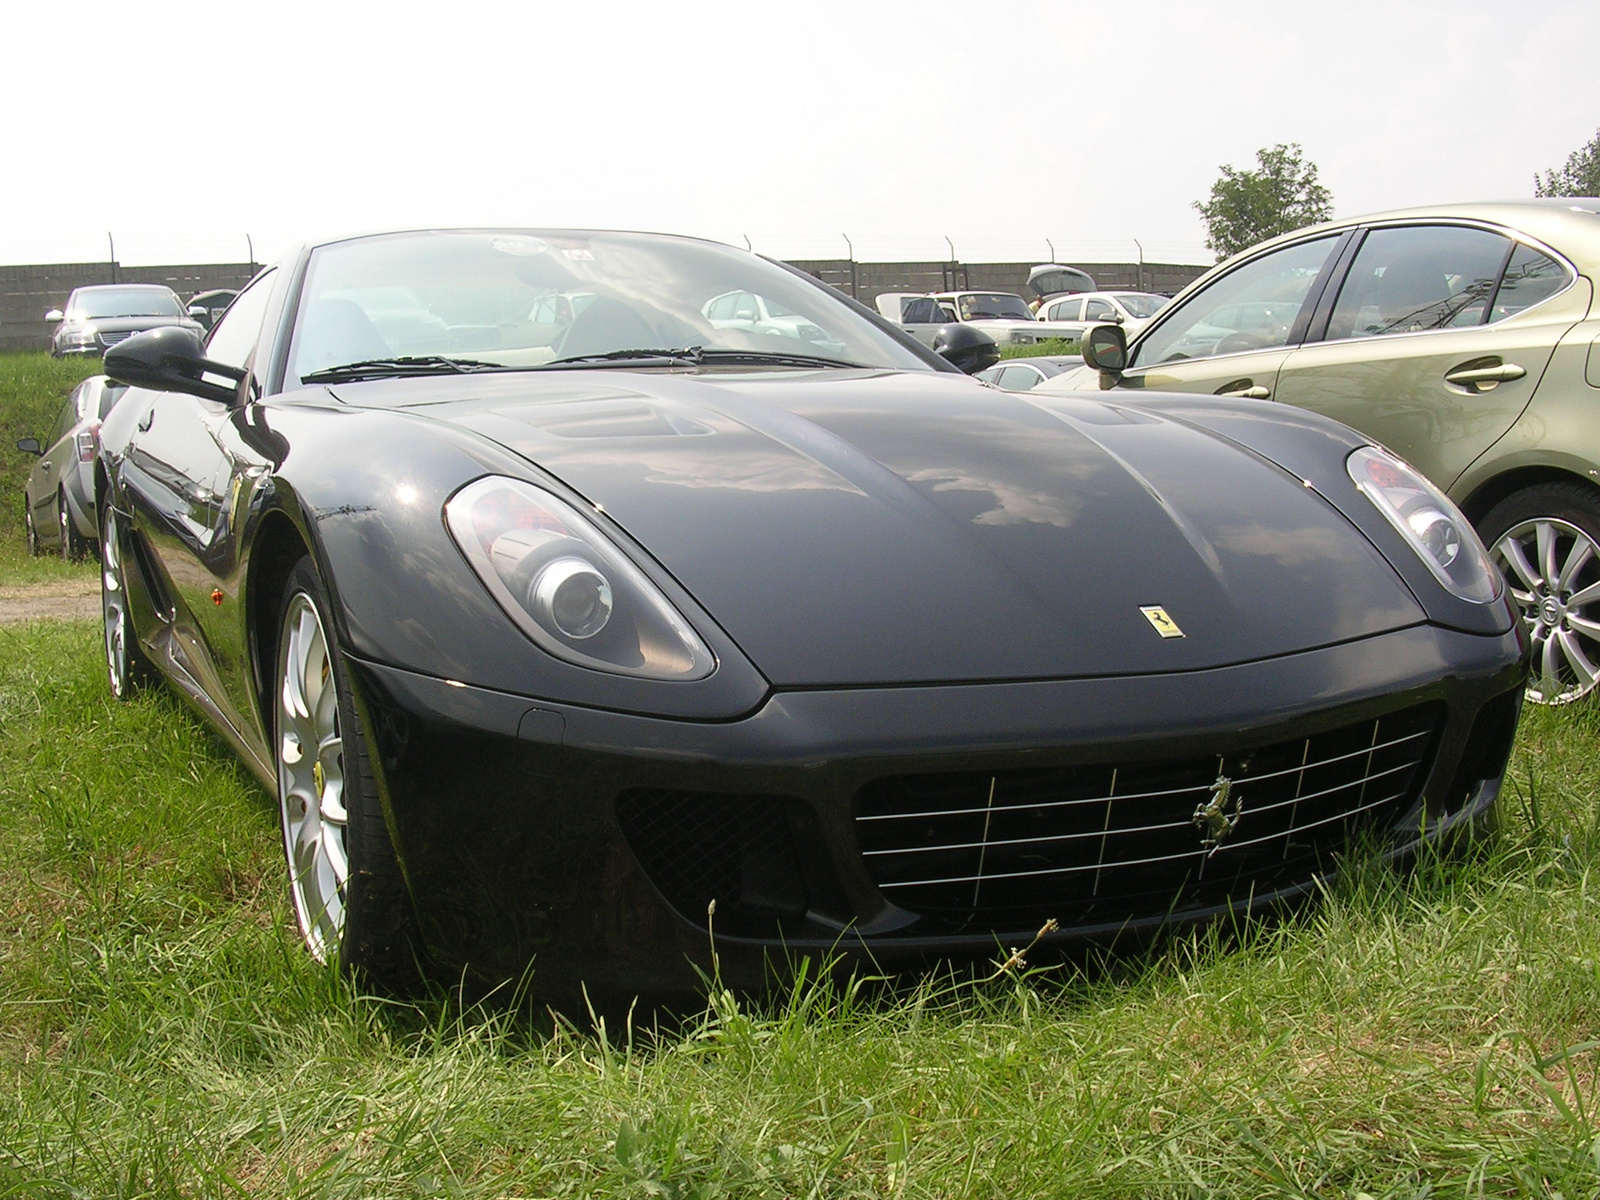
x,y
738,850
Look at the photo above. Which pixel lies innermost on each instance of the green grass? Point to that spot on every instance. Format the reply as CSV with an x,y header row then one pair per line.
x,y
32,388
161,1034
1041,349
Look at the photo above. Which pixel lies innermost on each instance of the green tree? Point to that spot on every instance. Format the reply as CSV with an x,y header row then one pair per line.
x,y
1580,177
1280,195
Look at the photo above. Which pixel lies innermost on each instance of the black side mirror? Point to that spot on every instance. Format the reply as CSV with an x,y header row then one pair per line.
x,y
965,348
29,446
1105,348
170,359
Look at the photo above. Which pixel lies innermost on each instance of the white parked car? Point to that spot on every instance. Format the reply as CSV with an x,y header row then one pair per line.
x,y
1131,310
1004,316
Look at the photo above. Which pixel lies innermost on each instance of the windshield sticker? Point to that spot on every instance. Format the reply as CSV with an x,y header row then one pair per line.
x,y
520,245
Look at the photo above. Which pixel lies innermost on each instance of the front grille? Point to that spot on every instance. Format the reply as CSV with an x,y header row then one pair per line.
x,y
111,339
738,850
1111,843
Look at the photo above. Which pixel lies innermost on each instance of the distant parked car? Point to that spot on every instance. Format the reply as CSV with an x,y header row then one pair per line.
x,y
1004,316
104,314
59,495
206,307
1025,374
1463,337
754,313
1049,280
1131,310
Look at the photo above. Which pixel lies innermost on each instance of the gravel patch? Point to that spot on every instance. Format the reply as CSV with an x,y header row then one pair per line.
x,y
58,600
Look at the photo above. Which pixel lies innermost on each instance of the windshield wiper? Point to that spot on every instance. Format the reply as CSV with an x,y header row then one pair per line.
x,y
690,355
775,358
380,368
698,356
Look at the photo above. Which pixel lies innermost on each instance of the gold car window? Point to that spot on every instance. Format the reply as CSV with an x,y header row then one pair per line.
x,y
1252,307
1415,278
1531,276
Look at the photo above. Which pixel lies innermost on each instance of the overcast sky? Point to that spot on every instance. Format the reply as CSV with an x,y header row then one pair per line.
x,y
1003,125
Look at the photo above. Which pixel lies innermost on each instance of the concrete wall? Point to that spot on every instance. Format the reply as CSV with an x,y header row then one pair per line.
x,y
866,280
27,293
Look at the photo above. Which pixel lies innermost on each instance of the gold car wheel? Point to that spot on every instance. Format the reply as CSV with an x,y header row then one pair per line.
x,y
1553,569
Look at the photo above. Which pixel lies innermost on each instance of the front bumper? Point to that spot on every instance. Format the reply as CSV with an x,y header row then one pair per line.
x,y
586,842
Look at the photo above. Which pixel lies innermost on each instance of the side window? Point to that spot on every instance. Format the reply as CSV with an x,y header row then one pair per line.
x,y
721,309
1531,276
1416,278
744,308
1252,307
65,420
921,311
1019,379
1098,310
1066,310
84,400
235,336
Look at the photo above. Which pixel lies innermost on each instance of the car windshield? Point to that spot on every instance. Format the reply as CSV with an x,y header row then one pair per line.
x,y
475,299
99,303
1140,304
980,306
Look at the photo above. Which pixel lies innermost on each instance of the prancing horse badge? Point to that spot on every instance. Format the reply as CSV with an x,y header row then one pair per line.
x,y
1157,616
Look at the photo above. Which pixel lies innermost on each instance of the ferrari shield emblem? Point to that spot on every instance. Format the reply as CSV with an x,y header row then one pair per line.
x,y
1157,616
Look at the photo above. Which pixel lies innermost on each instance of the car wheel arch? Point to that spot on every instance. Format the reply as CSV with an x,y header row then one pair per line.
x,y
276,546
1486,495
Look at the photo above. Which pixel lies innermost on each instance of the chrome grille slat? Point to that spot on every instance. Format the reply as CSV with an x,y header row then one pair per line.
x,y
1251,779
1197,792
1117,841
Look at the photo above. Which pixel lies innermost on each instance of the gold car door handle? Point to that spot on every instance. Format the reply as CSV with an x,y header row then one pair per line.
x,y
1254,392
1485,377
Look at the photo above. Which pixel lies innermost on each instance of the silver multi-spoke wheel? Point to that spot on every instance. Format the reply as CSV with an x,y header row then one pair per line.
x,y
114,607
311,777
1553,569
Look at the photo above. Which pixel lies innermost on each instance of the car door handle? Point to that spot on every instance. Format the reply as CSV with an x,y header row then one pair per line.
x,y
1484,376
147,420
1245,390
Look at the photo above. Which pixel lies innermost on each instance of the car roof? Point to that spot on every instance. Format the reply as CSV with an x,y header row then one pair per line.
x,y
1569,224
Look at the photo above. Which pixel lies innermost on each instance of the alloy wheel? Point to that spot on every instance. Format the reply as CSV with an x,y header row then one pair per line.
x,y
311,778
1553,570
114,607
67,537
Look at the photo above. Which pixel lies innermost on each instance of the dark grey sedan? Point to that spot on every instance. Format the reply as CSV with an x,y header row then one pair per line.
x,y
103,315
58,504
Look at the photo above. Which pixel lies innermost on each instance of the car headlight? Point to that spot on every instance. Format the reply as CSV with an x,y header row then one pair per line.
x,y
84,335
567,586
1428,520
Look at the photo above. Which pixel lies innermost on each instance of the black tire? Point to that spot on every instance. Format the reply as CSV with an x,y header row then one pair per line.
x,y
127,668
364,920
73,545
1560,606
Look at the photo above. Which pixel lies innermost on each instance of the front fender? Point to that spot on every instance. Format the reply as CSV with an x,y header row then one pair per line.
x,y
367,489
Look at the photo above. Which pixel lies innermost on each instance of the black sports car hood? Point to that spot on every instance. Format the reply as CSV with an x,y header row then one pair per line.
x,y
875,528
